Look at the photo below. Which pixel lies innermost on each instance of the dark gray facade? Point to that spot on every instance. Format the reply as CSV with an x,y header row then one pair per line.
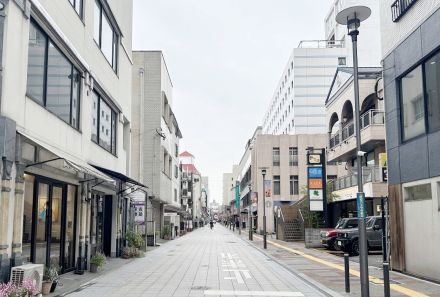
x,y
418,158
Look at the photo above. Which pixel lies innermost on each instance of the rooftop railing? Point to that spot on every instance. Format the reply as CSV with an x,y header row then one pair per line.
x,y
321,44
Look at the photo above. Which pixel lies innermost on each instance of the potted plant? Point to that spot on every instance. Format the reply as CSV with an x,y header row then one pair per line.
x,y
167,232
49,275
55,270
97,261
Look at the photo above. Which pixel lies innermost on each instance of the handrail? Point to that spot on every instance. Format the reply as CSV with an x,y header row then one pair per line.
x,y
321,44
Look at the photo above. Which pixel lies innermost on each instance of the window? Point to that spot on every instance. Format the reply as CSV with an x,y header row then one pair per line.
x,y
294,185
413,117
78,6
276,185
276,156
105,35
175,195
342,61
293,156
176,171
104,126
52,80
432,75
419,192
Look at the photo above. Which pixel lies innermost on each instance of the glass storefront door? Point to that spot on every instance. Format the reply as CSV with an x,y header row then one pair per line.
x,y
49,222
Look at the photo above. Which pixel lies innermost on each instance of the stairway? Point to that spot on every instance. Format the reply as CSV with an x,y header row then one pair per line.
x,y
293,230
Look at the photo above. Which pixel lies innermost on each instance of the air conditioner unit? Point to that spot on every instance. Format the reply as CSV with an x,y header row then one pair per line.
x,y
33,272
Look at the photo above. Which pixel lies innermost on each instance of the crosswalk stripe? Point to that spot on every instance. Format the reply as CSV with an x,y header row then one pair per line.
x,y
252,293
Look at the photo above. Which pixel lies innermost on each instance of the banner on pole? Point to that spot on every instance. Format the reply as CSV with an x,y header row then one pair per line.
x,y
268,188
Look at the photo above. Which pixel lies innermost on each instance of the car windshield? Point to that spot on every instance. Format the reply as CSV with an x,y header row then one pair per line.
x,y
370,222
347,223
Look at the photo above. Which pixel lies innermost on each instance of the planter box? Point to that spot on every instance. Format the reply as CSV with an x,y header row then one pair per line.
x,y
312,238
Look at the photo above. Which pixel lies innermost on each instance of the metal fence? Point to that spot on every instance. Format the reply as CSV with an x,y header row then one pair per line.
x,y
369,174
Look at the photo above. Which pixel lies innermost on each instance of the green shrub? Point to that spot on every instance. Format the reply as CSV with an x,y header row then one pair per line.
x,y
98,259
134,239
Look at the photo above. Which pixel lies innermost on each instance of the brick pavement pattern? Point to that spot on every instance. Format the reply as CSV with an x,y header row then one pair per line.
x,y
203,263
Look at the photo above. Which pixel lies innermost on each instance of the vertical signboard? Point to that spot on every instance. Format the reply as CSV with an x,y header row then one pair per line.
x,y
268,188
383,167
316,185
237,195
139,212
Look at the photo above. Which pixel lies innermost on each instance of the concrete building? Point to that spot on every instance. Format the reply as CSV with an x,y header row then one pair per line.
x,y
192,191
65,106
155,140
298,103
284,157
410,48
228,183
205,194
342,140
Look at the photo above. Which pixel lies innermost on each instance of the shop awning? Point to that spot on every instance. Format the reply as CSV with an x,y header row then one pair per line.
x,y
73,162
120,176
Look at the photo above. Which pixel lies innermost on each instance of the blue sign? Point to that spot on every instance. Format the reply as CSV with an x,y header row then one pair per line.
x,y
361,205
237,195
315,172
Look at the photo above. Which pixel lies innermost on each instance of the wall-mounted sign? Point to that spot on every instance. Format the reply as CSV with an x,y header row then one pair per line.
x,y
139,213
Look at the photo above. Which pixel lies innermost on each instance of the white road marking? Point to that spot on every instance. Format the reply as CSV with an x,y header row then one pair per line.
x,y
252,293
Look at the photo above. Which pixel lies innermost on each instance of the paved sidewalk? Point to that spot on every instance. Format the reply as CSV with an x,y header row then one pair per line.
x,y
204,263
328,269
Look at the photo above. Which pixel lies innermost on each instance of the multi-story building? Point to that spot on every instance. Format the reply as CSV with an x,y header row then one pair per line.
x,y
205,194
342,140
411,61
192,191
228,183
284,158
155,139
65,106
298,103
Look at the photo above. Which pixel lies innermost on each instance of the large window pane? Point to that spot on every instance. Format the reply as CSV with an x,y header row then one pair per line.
x,y
27,216
97,22
107,39
276,185
69,246
95,100
432,76
76,89
113,130
36,59
413,115
55,229
105,125
59,83
41,235
419,192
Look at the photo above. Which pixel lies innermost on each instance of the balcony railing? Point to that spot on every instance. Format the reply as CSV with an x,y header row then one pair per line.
x,y
371,117
369,174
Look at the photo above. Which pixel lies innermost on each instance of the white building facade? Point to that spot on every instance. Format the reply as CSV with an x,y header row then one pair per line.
x,y
298,103
155,138
65,108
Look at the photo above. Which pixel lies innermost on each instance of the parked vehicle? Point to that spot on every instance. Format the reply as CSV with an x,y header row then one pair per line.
x,y
348,239
328,236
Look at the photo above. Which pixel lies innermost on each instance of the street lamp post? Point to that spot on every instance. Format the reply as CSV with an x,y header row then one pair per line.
x,y
263,172
352,18
251,236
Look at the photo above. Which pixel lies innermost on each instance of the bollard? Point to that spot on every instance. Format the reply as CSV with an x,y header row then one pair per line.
x,y
386,279
347,272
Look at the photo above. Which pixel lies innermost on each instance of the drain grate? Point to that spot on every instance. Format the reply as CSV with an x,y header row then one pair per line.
x,y
231,242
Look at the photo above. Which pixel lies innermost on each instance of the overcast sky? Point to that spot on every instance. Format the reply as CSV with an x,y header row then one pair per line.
x,y
225,58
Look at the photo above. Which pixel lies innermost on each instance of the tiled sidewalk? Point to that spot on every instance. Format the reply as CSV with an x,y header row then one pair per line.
x,y
203,263
327,269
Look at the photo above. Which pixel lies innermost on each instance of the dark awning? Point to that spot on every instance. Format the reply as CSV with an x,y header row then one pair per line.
x,y
119,176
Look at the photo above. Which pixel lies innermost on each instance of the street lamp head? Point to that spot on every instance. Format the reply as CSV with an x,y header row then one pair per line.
x,y
263,171
352,18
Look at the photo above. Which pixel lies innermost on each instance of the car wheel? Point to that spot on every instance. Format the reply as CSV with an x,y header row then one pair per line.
x,y
355,247
334,245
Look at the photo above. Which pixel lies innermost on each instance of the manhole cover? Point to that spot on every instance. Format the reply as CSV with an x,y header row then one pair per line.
x,y
200,288
231,242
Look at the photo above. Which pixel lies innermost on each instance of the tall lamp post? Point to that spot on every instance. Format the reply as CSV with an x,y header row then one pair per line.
x,y
352,18
251,236
263,172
